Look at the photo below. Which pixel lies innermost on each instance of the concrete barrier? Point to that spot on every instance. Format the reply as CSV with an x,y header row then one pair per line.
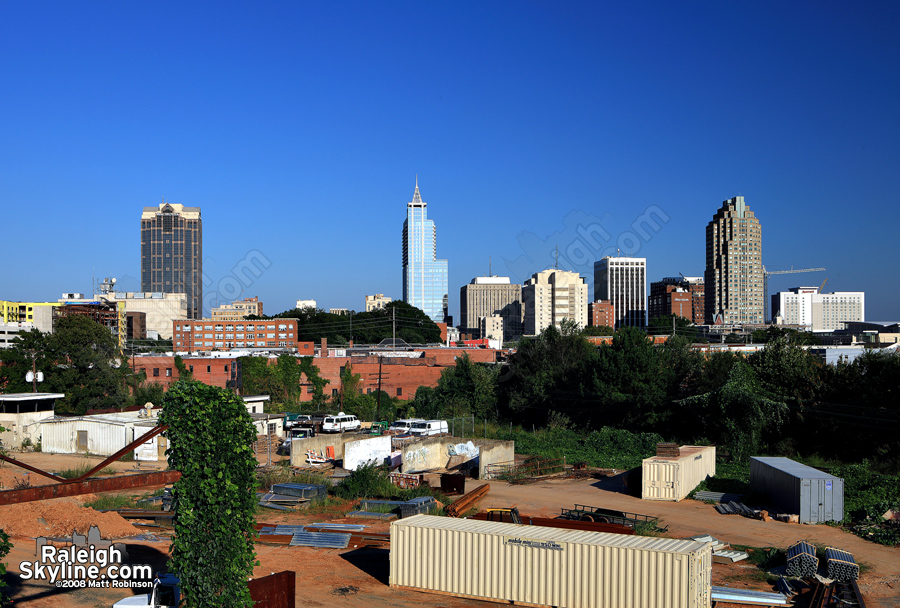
x,y
494,452
373,450
455,453
319,443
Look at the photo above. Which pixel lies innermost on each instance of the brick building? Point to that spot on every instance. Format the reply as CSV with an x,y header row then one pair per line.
x,y
600,313
402,372
206,334
683,296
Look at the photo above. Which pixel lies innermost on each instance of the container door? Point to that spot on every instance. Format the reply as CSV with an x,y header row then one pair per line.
x,y
82,445
829,500
161,445
809,503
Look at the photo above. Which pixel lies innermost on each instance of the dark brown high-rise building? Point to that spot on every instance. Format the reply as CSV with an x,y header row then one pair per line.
x,y
172,253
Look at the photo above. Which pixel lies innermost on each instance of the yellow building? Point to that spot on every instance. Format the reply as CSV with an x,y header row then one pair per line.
x,y
38,313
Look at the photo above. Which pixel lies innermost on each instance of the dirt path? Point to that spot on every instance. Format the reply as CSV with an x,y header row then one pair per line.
x,y
690,517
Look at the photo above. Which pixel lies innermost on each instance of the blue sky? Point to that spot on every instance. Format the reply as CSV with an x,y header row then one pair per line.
x,y
299,129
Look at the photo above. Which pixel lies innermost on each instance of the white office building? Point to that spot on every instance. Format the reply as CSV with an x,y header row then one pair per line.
x,y
623,281
821,312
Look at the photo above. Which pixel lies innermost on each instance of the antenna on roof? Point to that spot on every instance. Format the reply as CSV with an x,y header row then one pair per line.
x,y
490,269
556,265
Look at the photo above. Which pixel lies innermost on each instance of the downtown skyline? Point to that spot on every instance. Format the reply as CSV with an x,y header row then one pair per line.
x,y
526,124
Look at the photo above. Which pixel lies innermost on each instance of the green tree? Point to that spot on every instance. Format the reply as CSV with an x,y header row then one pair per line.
x,y
598,330
80,359
5,547
30,350
183,372
740,414
550,372
468,389
211,435
629,381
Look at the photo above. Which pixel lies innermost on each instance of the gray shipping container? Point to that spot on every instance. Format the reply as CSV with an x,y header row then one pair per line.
x,y
537,566
795,488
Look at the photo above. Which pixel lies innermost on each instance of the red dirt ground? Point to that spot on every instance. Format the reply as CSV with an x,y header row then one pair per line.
x,y
322,572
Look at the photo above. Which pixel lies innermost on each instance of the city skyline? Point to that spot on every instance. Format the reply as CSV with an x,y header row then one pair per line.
x,y
548,127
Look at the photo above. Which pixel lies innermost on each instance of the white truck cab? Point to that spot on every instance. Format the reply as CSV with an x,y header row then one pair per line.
x,y
166,593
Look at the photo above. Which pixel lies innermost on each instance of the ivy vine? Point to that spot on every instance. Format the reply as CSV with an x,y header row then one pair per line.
x,y
210,441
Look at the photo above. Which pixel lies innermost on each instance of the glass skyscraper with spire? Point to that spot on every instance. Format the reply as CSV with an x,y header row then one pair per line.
x,y
424,276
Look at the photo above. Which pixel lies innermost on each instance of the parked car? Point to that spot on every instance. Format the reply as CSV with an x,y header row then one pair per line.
x,y
340,423
429,427
404,425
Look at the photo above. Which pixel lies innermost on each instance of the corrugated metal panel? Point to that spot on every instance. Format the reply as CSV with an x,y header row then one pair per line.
x,y
104,437
795,488
548,566
674,478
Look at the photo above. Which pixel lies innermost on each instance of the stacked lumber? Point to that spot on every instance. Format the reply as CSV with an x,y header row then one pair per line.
x,y
467,501
841,565
802,560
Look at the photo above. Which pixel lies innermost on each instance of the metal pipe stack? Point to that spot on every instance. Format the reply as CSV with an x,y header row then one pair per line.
x,y
802,560
841,565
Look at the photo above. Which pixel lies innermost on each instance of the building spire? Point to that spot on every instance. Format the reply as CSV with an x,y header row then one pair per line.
x,y
417,198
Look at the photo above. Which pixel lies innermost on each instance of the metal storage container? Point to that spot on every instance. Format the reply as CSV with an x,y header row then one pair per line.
x,y
535,566
664,478
795,488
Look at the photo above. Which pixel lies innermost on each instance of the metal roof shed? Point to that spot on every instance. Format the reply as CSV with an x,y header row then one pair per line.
x,y
537,566
795,488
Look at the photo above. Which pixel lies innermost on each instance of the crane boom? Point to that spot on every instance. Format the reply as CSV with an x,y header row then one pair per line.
x,y
766,274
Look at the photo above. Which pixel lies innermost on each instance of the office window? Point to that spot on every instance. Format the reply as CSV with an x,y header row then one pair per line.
x,y
208,369
155,371
168,372
399,391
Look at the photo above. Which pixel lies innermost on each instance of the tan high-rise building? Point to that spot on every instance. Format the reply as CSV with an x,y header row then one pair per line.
x,y
376,302
237,310
734,272
487,297
550,296
172,253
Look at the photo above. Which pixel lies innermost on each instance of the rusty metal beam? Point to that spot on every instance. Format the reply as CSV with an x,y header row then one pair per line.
x,y
142,439
28,467
90,486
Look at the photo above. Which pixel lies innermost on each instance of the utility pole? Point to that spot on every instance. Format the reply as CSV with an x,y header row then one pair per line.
x,y
378,397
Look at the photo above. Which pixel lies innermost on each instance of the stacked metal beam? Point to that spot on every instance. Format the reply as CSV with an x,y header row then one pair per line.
x,y
802,560
465,502
841,565
717,496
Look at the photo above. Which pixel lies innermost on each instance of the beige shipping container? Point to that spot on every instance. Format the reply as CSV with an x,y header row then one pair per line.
x,y
536,566
674,478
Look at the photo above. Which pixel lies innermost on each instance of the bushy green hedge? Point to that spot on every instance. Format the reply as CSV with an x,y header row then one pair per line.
x,y
607,448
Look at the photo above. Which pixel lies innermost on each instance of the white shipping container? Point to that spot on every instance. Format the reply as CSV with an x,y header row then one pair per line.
x,y
537,566
84,435
674,478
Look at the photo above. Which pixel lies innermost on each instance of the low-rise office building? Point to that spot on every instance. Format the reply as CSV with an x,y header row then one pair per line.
x,y
206,334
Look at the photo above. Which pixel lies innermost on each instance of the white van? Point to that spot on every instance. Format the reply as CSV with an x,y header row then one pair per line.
x,y
404,425
429,427
340,423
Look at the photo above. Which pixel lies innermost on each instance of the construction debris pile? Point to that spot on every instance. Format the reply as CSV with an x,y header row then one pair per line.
x,y
59,517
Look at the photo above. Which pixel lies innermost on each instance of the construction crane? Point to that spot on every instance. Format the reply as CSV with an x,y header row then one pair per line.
x,y
822,286
766,274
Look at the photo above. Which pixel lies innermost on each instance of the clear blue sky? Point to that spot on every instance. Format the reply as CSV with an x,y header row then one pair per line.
x,y
299,128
